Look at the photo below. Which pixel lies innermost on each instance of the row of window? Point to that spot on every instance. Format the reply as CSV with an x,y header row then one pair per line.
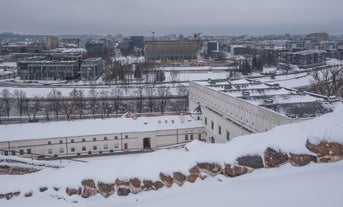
x,y
84,148
21,152
189,136
84,140
219,129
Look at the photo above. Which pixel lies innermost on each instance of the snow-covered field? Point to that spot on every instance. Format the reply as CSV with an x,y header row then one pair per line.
x,y
312,185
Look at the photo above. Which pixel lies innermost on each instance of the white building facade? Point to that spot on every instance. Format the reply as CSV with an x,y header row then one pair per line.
x,y
229,110
86,137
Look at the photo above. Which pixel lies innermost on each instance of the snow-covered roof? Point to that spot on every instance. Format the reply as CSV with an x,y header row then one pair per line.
x,y
95,127
284,101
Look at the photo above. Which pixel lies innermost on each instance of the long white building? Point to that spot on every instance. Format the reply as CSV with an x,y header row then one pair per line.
x,y
233,108
97,136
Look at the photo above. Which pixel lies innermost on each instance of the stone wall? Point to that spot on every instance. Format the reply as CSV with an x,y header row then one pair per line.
x,y
322,152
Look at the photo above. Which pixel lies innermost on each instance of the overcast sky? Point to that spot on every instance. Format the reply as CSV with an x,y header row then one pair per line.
x,y
132,17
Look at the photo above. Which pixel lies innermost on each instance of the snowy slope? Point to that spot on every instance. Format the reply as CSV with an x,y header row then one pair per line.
x,y
284,186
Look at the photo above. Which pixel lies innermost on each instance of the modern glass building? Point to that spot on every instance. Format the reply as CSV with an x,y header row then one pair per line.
x,y
91,69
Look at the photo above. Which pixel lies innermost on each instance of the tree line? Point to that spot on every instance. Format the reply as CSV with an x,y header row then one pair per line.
x,y
103,103
118,72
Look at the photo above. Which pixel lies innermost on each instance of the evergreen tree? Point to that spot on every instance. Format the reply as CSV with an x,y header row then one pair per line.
x,y
245,67
159,76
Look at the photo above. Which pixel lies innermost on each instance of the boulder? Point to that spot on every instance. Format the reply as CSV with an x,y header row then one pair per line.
x,y
88,183
148,185
158,185
2,196
105,189
194,170
212,169
56,188
179,178
16,193
194,173
273,158
88,192
43,189
119,183
192,178
123,191
135,184
73,191
8,196
89,188
301,159
236,170
166,180
29,194
326,151
252,161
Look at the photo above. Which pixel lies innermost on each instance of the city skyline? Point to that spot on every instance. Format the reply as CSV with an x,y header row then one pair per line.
x,y
218,17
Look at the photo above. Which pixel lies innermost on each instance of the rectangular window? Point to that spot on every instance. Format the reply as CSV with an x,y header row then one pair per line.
x,y
49,142
219,130
72,140
94,139
227,135
83,140
61,150
212,125
21,152
49,151
95,147
84,148
186,137
115,137
72,149
105,146
13,152
28,151
61,141
115,145
205,120
191,136
126,136
105,138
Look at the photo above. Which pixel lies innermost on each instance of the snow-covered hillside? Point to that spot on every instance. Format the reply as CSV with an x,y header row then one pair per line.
x,y
283,186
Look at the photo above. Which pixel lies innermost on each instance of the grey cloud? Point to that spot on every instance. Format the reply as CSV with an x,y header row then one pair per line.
x,y
165,16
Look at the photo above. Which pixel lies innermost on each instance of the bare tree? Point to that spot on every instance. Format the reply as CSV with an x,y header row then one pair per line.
x,y
20,97
69,103
174,74
328,82
104,104
116,94
163,93
80,102
1,110
6,101
182,92
149,92
93,102
139,99
34,107
55,101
